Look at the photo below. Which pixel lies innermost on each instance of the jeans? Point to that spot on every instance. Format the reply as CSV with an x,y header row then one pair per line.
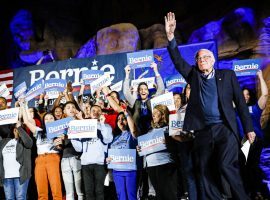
x,y
93,179
14,190
71,172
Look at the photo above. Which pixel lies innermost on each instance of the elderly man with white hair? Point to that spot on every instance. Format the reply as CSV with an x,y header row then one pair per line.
x,y
211,115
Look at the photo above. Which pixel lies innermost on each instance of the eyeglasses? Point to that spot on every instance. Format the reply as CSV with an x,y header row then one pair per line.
x,y
206,57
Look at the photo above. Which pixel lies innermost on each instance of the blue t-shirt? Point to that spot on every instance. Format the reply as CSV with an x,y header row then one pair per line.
x,y
256,113
124,141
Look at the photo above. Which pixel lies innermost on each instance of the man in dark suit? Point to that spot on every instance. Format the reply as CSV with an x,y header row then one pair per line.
x,y
210,113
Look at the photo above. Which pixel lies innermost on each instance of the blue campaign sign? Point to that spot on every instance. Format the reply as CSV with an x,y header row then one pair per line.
x,y
246,67
175,81
122,159
140,59
58,127
152,142
89,76
20,90
36,89
55,84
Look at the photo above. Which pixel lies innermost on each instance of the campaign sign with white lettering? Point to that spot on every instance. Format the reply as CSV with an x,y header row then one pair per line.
x,y
57,127
89,76
176,122
122,159
164,99
9,116
247,67
86,128
149,81
140,59
102,81
175,81
55,84
4,92
152,142
20,90
117,86
36,89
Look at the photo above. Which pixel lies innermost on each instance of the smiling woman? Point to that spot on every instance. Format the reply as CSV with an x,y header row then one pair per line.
x,y
160,165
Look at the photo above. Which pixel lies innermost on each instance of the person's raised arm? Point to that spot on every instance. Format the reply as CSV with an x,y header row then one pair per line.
x,y
113,104
132,127
126,88
160,83
180,64
33,128
264,91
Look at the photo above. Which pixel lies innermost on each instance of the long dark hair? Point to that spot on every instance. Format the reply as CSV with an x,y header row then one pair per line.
x,y
117,131
11,132
252,96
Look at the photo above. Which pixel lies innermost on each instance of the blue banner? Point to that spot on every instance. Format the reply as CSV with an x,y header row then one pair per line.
x,y
248,67
55,84
152,142
20,90
122,159
140,59
57,127
89,76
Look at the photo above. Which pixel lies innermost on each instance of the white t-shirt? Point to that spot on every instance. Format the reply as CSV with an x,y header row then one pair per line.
x,y
11,166
44,146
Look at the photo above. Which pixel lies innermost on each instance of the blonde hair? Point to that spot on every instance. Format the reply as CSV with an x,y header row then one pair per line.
x,y
164,121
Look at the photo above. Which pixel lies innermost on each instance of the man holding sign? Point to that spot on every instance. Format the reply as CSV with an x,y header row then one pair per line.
x,y
141,105
211,115
93,156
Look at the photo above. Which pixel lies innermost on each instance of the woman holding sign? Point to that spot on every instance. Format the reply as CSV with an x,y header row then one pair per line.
x,y
125,134
250,167
15,162
47,168
158,148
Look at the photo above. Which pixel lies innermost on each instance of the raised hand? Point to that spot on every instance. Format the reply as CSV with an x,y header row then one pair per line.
x,y
170,25
127,70
259,74
153,65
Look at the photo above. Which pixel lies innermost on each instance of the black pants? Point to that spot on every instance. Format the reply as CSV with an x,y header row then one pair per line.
x,y
93,181
216,150
251,172
164,180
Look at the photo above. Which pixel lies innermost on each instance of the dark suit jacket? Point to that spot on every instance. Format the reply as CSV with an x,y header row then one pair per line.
x,y
229,91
